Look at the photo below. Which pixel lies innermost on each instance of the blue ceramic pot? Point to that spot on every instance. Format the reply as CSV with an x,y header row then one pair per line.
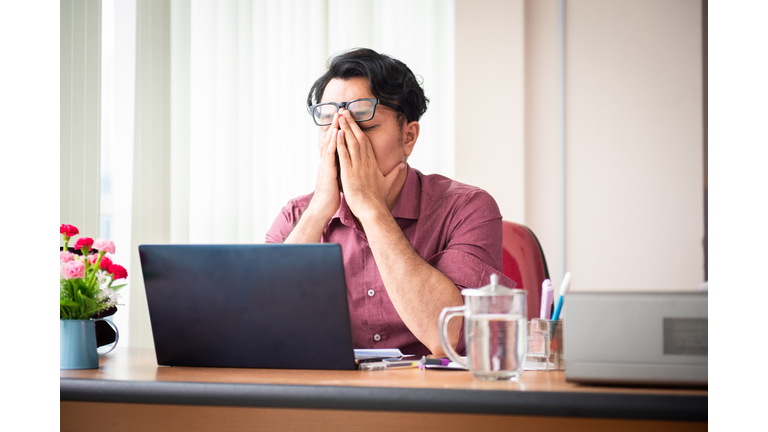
x,y
78,343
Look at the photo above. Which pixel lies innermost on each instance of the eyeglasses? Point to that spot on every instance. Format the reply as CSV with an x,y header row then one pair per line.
x,y
361,110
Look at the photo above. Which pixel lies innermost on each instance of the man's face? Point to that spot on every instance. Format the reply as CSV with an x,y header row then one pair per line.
x,y
383,131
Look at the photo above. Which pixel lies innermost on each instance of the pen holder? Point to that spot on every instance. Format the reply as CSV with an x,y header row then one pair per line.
x,y
545,345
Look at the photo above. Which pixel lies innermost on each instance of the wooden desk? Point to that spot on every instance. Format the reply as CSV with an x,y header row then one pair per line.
x,y
130,392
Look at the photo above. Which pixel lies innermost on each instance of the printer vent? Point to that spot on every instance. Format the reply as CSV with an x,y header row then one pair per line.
x,y
685,336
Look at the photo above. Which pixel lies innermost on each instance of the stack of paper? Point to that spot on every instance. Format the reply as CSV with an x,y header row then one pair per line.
x,y
369,354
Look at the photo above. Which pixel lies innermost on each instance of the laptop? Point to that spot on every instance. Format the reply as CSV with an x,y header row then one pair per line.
x,y
249,306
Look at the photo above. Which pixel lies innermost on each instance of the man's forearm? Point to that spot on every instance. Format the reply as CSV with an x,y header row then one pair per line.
x,y
309,229
418,291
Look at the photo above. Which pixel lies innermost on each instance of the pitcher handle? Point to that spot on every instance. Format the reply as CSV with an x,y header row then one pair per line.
x,y
445,315
117,334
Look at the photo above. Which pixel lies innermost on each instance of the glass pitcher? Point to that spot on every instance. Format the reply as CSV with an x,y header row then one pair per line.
x,y
495,330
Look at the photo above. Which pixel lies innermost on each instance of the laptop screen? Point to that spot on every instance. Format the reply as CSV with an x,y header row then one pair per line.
x,y
256,306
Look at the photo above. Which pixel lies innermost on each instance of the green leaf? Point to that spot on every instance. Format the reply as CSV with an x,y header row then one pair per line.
x,y
90,307
70,288
78,284
68,303
80,310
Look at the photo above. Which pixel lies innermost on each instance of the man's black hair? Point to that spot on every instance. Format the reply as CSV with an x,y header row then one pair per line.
x,y
389,78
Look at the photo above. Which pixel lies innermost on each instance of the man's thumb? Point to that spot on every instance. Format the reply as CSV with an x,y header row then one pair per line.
x,y
390,178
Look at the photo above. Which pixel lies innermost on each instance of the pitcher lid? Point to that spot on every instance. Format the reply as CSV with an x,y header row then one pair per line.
x,y
493,289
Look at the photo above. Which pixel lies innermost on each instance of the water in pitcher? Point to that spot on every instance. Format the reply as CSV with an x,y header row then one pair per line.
x,y
496,346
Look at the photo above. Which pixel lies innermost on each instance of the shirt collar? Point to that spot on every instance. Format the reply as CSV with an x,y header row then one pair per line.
x,y
407,206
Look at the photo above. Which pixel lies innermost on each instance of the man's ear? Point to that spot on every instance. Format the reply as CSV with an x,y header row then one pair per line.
x,y
410,135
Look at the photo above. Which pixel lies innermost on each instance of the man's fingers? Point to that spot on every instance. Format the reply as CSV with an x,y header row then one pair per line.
x,y
330,149
333,127
355,130
392,176
335,121
342,150
355,146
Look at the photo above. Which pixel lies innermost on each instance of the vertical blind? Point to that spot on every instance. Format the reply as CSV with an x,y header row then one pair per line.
x,y
80,72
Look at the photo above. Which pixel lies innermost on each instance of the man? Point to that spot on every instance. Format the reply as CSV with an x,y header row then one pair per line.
x,y
410,242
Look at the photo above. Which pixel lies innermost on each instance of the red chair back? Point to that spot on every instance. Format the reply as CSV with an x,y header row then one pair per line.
x,y
523,261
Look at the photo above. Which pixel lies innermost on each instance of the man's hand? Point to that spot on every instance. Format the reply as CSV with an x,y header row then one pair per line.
x,y
366,190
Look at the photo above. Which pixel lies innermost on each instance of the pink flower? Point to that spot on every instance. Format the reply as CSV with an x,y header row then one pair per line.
x,y
104,245
105,263
65,256
84,242
92,258
69,230
118,271
73,269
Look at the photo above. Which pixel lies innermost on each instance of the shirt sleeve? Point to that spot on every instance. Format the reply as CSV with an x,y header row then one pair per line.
x,y
474,249
284,223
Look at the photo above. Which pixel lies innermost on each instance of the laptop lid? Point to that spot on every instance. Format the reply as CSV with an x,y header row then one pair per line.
x,y
255,306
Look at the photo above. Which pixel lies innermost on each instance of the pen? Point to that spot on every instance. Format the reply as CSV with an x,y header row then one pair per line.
x,y
563,289
547,294
387,364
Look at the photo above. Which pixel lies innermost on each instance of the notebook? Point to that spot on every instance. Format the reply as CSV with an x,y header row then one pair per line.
x,y
251,306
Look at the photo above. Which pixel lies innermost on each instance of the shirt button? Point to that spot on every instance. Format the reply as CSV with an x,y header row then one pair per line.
x,y
376,337
371,292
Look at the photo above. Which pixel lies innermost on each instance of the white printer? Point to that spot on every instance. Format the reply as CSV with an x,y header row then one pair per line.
x,y
636,338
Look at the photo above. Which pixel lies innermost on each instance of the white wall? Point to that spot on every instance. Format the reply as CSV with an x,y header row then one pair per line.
x,y
542,127
633,133
490,96
634,210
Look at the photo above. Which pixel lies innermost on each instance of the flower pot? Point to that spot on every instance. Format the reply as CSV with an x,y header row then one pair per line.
x,y
105,334
78,344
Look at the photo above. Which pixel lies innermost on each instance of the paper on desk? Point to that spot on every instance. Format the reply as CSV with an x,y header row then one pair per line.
x,y
362,354
457,366
450,365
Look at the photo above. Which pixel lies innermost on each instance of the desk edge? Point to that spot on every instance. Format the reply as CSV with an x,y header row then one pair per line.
x,y
529,403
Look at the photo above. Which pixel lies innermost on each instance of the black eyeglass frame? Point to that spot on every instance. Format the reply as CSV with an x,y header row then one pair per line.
x,y
344,105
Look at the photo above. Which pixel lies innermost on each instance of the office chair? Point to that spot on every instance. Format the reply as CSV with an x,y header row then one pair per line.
x,y
523,261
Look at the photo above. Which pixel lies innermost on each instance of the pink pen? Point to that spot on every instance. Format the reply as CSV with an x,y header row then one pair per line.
x,y
547,296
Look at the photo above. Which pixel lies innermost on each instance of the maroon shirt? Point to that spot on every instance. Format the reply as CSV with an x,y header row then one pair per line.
x,y
454,227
